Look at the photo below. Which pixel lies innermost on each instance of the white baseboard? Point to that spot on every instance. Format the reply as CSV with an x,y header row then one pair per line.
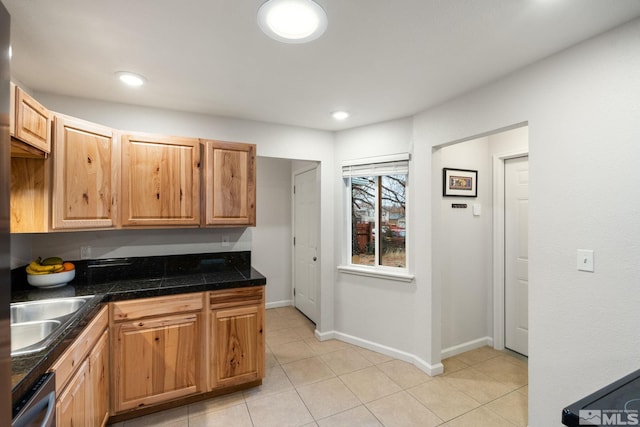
x,y
467,346
276,304
429,369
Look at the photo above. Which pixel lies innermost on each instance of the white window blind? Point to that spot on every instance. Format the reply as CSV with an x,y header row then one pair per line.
x,y
397,164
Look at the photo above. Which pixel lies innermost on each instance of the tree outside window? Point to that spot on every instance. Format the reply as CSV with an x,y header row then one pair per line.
x,y
378,220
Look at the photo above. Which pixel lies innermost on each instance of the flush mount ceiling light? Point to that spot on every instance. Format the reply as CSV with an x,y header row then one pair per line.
x,y
340,115
292,21
131,79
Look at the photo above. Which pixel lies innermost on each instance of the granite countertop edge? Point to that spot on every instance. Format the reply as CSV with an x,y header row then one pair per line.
x,y
25,370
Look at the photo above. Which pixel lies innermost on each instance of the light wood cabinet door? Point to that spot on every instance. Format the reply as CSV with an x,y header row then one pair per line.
x,y
85,175
82,377
99,378
156,360
31,122
160,181
236,346
72,405
230,183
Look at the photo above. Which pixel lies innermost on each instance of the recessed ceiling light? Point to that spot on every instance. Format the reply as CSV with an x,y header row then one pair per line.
x,y
292,21
131,79
340,115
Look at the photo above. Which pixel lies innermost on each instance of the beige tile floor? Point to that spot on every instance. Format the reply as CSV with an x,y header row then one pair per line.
x,y
331,384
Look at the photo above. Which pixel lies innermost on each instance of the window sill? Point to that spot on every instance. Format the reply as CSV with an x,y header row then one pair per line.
x,y
381,274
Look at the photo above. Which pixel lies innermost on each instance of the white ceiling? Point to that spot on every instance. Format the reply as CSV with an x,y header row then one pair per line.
x,y
379,59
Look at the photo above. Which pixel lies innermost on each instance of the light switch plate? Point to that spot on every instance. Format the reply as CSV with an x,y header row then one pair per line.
x,y
585,260
477,209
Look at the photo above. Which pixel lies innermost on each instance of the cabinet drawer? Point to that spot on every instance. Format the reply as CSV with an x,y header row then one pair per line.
x,y
156,306
71,359
236,297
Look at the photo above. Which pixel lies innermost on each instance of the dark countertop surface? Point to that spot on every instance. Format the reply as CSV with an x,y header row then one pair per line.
x,y
121,279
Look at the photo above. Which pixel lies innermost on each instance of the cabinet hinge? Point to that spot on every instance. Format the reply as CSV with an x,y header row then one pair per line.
x,y
294,189
294,241
294,292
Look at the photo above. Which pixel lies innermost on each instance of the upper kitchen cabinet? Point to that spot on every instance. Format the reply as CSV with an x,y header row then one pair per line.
x,y
230,183
30,126
85,175
160,181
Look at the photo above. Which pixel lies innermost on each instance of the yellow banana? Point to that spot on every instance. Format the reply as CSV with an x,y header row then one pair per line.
x,y
43,268
32,271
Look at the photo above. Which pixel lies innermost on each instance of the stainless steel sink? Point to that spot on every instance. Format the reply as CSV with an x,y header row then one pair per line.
x,y
31,337
35,324
45,309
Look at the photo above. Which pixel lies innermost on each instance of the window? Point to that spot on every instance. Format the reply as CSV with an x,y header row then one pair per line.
x,y
377,212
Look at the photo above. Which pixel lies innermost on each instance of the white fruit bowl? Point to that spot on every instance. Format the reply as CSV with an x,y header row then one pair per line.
x,y
52,280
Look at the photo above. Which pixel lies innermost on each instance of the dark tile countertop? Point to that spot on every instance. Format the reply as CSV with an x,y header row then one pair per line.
x,y
121,279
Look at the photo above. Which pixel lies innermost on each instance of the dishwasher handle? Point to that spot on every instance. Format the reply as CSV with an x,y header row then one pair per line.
x,y
38,407
48,402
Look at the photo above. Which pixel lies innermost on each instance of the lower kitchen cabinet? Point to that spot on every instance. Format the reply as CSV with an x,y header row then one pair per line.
x,y
72,405
82,374
143,353
156,358
99,379
237,346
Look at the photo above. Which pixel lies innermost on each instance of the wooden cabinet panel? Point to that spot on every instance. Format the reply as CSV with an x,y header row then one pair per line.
x,y
82,377
230,183
157,306
99,379
32,122
227,298
85,175
72,404
12,109
77,352
156,360
29,195
160,181
236,344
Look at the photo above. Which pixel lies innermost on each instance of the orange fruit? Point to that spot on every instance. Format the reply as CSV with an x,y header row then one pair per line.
x,y
68,266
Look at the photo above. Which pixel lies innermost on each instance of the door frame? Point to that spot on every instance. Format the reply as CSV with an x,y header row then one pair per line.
x,y
498,244
294,173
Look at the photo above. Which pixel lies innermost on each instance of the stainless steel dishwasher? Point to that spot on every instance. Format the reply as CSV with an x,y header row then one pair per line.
x,y
38,407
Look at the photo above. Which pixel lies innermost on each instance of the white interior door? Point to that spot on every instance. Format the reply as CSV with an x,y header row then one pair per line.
x,y
516,263
305,249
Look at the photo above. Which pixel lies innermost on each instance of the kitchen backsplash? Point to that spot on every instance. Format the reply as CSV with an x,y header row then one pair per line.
x,y
127,243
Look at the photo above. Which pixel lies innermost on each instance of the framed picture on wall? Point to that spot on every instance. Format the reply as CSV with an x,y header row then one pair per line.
x,y
459,182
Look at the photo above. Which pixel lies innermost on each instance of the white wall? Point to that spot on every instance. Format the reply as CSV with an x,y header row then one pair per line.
x,y
464,251
133,243
271,253
379,313
582,109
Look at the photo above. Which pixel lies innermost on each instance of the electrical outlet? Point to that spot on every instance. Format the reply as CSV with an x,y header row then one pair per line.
x,y
85,252
225,241
585,260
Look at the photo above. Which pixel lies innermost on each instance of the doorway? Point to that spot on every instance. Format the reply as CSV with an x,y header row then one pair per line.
x,y
469,262
516,254
305,242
